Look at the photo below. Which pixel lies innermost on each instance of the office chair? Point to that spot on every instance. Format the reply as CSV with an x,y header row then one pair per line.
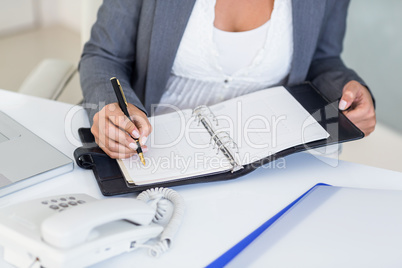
x,y
58,79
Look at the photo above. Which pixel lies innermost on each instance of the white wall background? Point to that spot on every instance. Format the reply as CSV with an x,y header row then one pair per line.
x,y
65,12
16,15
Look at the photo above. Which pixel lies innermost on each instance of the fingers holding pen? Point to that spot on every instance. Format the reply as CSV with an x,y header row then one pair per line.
x,y
128,132
111,128
137,126
141,123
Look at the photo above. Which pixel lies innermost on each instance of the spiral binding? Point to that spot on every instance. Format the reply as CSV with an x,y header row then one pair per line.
x,y
220,140
204,112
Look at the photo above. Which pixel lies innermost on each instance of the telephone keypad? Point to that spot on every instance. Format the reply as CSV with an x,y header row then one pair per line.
x,y
62,203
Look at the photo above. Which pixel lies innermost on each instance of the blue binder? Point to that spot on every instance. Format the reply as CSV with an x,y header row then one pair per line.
x,y
225,258
328,226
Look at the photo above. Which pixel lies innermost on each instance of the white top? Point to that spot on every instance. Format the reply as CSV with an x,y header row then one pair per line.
x,y
237,50
200,73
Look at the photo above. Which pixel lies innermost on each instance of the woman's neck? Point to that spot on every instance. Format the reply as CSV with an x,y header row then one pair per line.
x,y
242,15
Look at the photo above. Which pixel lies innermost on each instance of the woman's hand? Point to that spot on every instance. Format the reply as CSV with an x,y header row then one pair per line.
x,y
112,130
357,104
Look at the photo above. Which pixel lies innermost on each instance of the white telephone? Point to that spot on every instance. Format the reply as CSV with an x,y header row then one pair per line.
x,y
77,230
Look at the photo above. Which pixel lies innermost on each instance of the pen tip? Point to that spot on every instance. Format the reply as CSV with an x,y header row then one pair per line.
x,y
142,158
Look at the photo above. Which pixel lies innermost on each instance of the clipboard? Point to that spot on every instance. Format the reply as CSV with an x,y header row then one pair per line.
x,y
111,181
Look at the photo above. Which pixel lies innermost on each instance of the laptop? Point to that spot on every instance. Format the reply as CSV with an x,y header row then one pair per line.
x,y
26,159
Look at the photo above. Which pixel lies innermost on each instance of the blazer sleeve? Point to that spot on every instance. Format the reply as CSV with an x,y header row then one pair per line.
x,y
110,52
327,70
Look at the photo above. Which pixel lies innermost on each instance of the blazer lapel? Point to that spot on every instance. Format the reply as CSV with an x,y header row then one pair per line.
x,y
307,21
170,21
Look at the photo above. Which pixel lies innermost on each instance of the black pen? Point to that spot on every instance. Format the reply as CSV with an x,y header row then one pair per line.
x,y
121,99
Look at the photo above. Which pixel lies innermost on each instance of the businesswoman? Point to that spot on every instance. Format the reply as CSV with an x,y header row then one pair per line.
x,y
191,52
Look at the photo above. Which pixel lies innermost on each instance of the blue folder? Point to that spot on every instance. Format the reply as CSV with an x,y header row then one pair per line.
x,y
328,226
225,258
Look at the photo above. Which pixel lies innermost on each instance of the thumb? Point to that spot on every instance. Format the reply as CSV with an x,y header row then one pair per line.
x,y
348,97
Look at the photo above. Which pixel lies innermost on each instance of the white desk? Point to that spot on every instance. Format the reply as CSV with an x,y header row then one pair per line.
x,y
218,214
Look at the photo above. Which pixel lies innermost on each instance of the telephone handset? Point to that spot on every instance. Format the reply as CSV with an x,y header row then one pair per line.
x,y
79,230
73,226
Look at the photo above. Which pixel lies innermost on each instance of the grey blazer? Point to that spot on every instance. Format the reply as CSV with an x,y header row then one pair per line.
x,y
137,40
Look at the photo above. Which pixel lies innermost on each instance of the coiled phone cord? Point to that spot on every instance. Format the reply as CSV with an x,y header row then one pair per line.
x,y
157,197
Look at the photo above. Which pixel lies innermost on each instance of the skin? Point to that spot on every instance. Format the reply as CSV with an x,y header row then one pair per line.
x,y
357,104
114,132
242,15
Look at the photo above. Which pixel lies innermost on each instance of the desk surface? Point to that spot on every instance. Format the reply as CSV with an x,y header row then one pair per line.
x,y
218,214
